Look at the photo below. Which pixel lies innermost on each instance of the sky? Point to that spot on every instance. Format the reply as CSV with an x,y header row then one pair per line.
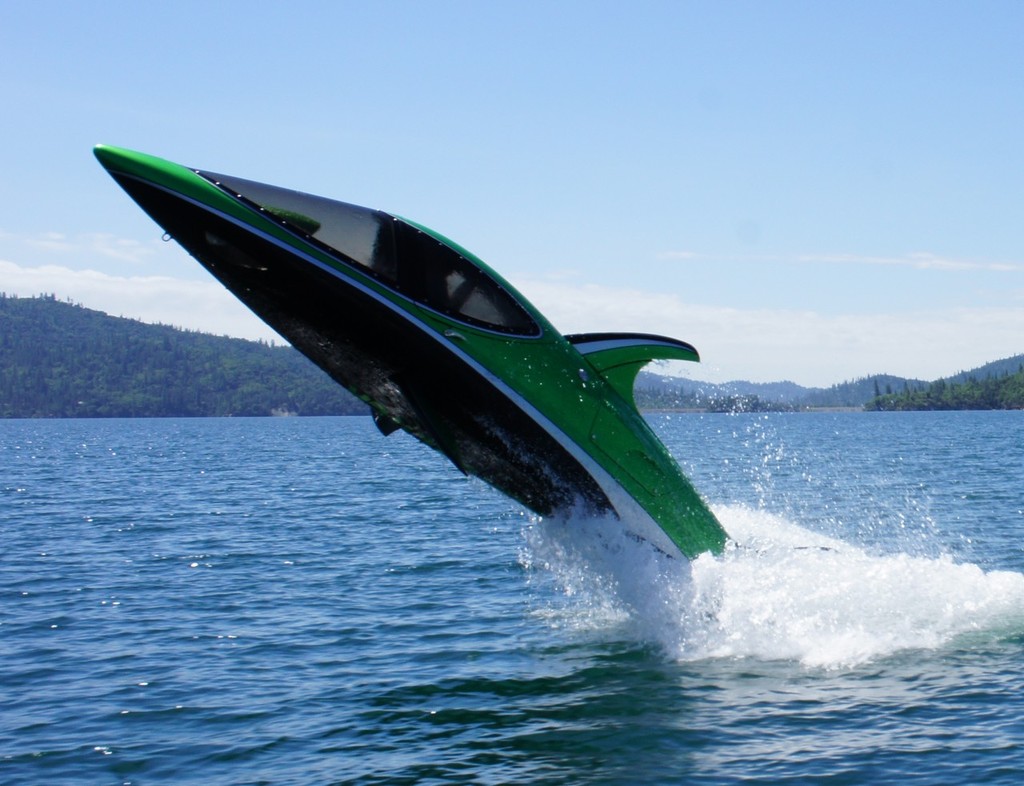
x,y
805,191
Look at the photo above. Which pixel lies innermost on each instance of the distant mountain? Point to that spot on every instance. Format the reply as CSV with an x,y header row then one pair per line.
x,y
858,392
658,391
996,385
58,359
671,392
997,368
62,360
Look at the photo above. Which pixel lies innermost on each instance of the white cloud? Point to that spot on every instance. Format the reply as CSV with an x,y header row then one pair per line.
x,y
919,260
52,242
95,250
807,347
92,245
196,305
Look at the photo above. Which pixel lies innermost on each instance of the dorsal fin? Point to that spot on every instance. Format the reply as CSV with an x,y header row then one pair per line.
x,y
620,356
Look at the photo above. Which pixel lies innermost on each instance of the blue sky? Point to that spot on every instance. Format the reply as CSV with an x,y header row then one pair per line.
x,y
811,191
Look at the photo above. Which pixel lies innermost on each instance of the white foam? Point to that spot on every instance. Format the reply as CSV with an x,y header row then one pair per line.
x,y
778,592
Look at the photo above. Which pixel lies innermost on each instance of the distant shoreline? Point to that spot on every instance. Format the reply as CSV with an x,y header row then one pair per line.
x,y
765,410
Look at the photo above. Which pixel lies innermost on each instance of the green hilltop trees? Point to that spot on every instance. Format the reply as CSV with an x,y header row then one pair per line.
x,y
58,359
62,360
994,392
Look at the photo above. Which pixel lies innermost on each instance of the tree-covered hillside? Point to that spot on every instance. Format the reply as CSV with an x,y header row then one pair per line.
x,y
1005,391
62,360
995,385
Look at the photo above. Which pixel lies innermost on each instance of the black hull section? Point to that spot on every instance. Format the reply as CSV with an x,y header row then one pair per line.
x,y
407,373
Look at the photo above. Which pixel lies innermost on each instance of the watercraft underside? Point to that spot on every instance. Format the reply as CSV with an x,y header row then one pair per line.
x,y
408,376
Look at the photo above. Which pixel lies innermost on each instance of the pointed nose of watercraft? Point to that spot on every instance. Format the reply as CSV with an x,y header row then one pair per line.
x,y
120,161
133,171
109,156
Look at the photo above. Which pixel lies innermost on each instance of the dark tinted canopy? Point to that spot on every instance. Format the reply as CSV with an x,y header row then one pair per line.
x,y
407,259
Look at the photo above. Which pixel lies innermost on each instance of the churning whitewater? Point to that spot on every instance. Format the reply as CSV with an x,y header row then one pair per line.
x,y
780,592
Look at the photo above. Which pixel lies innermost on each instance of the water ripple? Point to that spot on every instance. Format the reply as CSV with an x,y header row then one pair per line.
x,y
301,601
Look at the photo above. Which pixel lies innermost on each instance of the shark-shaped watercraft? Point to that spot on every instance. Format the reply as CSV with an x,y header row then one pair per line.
x,y
438,345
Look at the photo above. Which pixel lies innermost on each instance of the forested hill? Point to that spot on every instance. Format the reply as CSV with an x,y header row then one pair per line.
x,y
1005,391
62,360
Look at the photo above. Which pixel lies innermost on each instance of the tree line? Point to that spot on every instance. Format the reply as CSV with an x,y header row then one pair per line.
x,y
1005,391
58,359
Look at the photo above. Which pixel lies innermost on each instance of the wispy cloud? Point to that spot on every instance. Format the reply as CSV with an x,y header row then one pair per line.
x,y
90,245
196,305
919,260
808,347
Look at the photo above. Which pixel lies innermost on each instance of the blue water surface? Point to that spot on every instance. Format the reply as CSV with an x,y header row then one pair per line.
x,y
302,601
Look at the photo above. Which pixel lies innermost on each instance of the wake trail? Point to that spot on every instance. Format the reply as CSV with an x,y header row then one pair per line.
x,y
779,592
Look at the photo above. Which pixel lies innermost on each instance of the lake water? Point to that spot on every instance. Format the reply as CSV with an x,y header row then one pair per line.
x,y
302,601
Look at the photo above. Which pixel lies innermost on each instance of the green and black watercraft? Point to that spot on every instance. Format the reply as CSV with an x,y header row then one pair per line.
x,y
438,345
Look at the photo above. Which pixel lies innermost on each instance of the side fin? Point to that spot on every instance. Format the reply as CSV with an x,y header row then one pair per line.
x,y
620,356
434,426
384,424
